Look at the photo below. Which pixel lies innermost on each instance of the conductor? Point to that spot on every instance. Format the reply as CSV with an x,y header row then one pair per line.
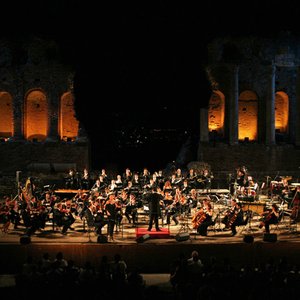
x,y
153,198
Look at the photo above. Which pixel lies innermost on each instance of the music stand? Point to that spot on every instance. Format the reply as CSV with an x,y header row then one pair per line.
x,y
184,224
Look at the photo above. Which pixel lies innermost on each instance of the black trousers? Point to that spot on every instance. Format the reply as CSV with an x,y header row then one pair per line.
x,y
153,218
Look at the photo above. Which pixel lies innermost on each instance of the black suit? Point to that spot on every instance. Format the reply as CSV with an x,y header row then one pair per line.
x,y
154,208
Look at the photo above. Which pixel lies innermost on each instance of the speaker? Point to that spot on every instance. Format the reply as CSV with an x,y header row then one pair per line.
x,y
270,237
25,239
248,239
102,239
143,238
184,236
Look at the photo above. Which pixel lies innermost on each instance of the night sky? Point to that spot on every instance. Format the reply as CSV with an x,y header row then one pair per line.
x,y
146,57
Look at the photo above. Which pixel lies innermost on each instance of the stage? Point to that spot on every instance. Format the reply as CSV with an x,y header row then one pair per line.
x,y
154,254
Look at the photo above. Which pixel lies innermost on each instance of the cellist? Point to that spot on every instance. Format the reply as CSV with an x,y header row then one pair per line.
x,y
206,219
270,217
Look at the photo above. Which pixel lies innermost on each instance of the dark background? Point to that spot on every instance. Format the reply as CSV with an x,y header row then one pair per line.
x,y
140,77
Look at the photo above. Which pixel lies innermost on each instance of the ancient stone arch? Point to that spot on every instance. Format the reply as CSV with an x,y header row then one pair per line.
x,y
248,116
35,116
6,113
216,112
68,124
281,112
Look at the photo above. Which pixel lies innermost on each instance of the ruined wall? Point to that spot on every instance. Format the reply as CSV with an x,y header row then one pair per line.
x,y
262,103
38,121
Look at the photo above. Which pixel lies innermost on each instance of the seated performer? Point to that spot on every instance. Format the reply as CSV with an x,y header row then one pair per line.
x,y
234,217
131,210
203,218
205,180
270,217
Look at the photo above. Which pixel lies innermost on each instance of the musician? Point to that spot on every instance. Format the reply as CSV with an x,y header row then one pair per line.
x,y
206,218
136,184
99,218
159,179
89,215
234,217
14,214
241,177
193,198
295,204
206,180
85,180
270,217
145,178
192,178
154,200
105,177
286,193
70,180
167,188
131,210
119,183
99,185
119,213
179,177
173,210
185,189
37,215
67,218
110,208
175,182
127,176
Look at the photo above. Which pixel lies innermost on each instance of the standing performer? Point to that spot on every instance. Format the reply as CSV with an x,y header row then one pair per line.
x,y
154,200
111,212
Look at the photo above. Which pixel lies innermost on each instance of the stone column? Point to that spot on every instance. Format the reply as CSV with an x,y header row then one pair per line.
x,y
234,107
204,125
297,110
270,108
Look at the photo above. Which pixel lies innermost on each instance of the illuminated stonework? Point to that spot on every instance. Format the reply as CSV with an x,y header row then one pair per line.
x,y
36,116
6,113
248,109
216,112
68,123
281,112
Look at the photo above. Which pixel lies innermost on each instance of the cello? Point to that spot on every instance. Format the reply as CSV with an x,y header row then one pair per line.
x,y
198,218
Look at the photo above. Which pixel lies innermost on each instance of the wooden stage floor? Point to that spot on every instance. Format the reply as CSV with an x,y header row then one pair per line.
x,y
81,246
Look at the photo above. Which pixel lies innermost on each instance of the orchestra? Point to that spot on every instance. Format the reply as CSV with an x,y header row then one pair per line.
x,y
112,200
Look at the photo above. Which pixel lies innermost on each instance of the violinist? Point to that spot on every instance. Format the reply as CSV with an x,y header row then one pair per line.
x,y
270,217
173,209
205,219
131,210
62,217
